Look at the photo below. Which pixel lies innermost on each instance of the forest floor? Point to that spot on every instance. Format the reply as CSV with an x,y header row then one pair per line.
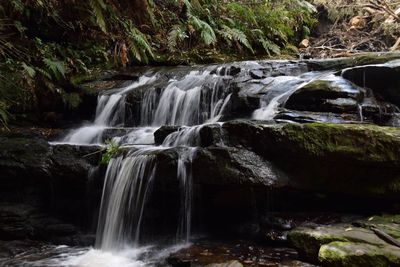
x,y
370,28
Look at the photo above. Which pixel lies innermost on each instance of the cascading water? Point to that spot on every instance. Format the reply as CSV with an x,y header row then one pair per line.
x,y
188,100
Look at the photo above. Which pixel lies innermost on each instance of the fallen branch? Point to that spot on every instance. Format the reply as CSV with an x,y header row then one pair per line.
x,y
396,45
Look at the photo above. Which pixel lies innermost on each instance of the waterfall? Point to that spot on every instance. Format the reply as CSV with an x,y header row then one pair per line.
x,y
185,181
128,181
196,98
110,112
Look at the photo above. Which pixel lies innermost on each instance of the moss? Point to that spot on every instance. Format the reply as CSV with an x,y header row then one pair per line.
x,y
364,142
354,254
362,59
309,241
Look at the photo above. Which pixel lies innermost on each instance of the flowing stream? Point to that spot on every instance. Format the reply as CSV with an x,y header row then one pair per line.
x,y
197,97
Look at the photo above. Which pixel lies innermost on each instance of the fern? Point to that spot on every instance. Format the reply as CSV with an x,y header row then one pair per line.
x,y
269,46
55,67
175,36
29,70
232,34
207,34
98,6
138,44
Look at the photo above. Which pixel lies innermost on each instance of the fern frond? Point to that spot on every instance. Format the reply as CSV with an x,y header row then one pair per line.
x,y
175,36
29,70
236,35
138,44
98,6
269,46
55,67
207,34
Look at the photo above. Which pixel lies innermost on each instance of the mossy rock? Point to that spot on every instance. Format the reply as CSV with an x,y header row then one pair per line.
x,y
357,60
343,244
353,159
322,96
348,254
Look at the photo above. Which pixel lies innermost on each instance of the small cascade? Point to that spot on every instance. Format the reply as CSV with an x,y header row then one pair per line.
x,y
128,181
110,112
185,181
186,136
196,98
360,112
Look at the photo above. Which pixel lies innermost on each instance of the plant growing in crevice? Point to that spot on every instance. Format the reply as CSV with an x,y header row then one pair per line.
x,y
110,151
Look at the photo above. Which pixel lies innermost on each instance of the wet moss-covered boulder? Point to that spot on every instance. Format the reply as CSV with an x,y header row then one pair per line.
x,y
348,254
354,243
340,158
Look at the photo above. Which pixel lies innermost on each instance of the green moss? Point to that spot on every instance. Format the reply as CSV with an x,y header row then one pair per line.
x,y
362,59
363,142
309,241
354,254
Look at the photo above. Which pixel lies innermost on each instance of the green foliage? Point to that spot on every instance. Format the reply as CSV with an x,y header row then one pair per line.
x,y
138,44
98,7
44,44
111,150
55,67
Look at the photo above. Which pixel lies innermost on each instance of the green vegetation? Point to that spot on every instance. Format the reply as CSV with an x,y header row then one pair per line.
x,y
45,44
110,151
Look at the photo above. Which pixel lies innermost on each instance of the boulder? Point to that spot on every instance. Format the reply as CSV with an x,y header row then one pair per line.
x,y
40,182
342,158
382,79
346,244
325,96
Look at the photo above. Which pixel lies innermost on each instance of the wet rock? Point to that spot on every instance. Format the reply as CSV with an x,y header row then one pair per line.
x,y
358,60
257,74
382,79
327,157
325,96
163,132
355,254
38,182
347,245
232,166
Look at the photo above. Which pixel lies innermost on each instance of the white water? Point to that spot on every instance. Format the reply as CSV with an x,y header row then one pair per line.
x,y
128,181
110,112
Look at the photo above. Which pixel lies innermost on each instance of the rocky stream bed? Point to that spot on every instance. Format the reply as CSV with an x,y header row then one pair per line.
x,y
261,163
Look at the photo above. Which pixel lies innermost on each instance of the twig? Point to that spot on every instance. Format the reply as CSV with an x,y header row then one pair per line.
x,y
396,45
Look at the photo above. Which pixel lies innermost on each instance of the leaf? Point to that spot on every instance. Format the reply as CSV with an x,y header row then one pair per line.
x,y
29,70
56,67
232,34
97,7
207,34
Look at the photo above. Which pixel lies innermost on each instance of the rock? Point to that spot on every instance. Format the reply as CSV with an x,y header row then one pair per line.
x,y
163,132
257,74
343,254
226,264
40,182
346,245
348,62
325,96
386,85
327,157
305,43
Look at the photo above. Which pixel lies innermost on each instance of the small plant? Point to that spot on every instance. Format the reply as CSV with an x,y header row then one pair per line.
x,y
111,150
